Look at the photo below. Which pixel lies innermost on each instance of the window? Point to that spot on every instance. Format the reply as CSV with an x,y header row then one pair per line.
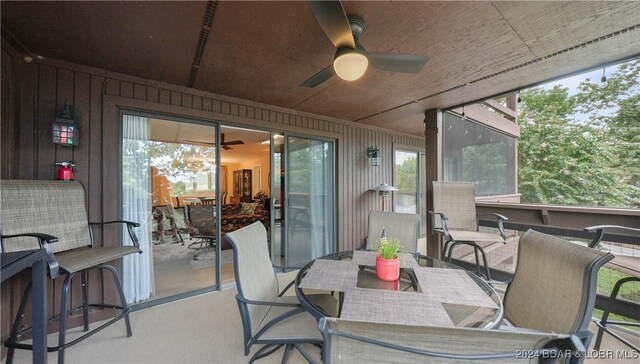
x,y
477,154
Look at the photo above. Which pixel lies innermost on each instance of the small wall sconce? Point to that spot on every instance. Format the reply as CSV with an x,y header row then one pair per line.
x,y
374,154
66,127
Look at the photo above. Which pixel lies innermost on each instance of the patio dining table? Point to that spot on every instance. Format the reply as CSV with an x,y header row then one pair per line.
x,y
430,292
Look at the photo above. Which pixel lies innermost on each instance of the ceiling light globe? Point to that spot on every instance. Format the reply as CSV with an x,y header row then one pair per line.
x,y
350,66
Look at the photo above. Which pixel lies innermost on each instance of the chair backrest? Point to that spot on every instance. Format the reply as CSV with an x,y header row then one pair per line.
x,y
366,342
401,226
224,197
554,285
255,278
202,218
50,207
457,200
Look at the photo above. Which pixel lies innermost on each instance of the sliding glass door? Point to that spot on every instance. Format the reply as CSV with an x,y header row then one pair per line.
x,y
310,199
410,179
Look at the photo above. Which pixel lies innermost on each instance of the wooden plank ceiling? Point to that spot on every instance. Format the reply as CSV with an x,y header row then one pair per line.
x,y
262,51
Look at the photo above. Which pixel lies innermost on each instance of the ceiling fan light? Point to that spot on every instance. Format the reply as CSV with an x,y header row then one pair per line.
x,y
350,66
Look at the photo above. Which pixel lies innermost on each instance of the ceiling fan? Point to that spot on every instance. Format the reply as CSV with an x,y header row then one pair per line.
x,y
351,60
224,145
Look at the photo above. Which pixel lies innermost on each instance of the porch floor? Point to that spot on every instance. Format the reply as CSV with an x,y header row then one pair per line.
x,y
203,329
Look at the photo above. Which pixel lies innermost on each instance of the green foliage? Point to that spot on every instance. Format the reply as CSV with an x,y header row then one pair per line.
x,y
406,176
181,162
562,160
389,248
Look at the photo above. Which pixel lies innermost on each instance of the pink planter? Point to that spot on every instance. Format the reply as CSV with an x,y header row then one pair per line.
x,y
388,269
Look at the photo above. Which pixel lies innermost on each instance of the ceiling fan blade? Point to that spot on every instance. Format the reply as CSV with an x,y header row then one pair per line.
x,y
233,142
200,143
333,20
397,62
319,77
225,147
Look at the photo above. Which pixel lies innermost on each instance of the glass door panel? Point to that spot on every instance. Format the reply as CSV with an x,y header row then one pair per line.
x,y
406,180
169,185
310,192
278,202
411,180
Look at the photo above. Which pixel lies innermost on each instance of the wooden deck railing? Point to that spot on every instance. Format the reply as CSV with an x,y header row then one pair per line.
x,y
568,221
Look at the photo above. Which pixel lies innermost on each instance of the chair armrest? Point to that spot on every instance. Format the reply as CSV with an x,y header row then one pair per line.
x,y
501,219
130,226
600,229
290,267
266,303
289,278
443,221
135,224
44,240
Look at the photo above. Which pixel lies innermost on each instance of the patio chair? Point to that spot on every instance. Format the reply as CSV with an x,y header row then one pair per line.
x,y
401,226
202,220
626,264
268,316
348,341
554,286
51,215
455,205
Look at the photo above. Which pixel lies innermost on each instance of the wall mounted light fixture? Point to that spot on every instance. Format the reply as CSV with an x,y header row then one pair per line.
x,y
66,127
374,155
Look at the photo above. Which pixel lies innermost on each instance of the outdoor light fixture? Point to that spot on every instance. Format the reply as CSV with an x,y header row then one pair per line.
x,y
66,127
350,64
374,154
604,77
384,191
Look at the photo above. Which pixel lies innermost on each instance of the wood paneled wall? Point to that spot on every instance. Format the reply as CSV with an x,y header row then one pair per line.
x,y
32,94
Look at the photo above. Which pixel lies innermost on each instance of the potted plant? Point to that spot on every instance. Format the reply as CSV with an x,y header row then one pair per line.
x,y
387,262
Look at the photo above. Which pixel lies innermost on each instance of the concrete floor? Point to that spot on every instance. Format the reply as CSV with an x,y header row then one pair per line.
x,y
202,329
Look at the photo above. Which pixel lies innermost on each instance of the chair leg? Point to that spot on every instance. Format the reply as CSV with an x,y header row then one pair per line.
x,y
484,261
123,299
63,317
607,310
265,351
85,300
449,255
444,249
285,356
16,323
475,253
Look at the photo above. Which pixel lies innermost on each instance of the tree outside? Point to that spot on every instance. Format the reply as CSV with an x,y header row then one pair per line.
x,y
582,148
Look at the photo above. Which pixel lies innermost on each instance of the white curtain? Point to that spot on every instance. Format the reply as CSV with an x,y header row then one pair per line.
x,y
136,206
321,208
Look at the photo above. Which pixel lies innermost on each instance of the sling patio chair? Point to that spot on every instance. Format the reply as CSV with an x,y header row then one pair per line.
x,y
51,215
268,316
201,218
454,203
402,226
626,264
554,286
347,341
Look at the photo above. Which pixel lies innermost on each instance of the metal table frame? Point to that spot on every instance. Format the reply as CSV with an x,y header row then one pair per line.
x,y
12,264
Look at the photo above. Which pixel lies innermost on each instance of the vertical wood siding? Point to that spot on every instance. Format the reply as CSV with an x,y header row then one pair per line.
x,y
33,93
